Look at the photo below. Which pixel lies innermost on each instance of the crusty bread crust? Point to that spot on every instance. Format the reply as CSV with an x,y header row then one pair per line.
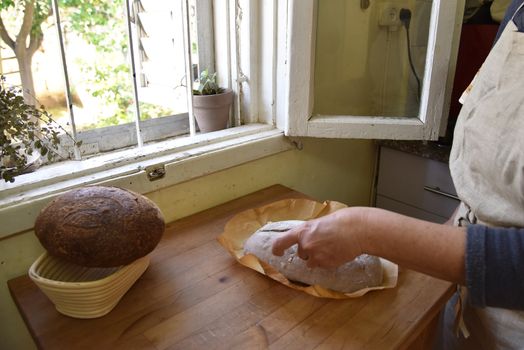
x,y
99,226
363,272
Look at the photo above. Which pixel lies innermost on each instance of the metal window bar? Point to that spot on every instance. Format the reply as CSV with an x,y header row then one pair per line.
x,y
235,57
189,64
139,139
230,71
76,149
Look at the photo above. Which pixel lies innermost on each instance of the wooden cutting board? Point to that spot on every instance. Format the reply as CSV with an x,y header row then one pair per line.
x,y
194,295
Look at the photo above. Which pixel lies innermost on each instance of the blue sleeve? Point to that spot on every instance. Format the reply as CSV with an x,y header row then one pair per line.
x,y
495,266
519,17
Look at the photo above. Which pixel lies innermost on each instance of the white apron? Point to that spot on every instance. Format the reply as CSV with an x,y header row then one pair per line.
x,y
487,166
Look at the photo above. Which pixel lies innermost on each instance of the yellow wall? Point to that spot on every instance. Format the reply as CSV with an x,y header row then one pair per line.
x,y
339,170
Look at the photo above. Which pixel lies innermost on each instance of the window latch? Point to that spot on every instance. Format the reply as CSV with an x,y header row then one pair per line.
x,y
155,172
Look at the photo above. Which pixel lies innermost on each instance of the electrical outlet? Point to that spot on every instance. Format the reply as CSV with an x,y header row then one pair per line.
x,y
389,16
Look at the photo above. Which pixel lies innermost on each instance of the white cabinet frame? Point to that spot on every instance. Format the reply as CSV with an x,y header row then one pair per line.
x,y
298,77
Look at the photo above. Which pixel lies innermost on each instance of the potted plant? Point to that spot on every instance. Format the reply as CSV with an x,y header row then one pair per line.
x,y
28,135
211,103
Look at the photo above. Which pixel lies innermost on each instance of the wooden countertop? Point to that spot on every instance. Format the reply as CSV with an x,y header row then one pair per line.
x,y
194,295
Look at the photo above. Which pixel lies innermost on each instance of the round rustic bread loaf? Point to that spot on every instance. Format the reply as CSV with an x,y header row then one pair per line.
x,y
98,226
363,272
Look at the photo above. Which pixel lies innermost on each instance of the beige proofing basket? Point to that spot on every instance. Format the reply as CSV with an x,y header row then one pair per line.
x,y
84,292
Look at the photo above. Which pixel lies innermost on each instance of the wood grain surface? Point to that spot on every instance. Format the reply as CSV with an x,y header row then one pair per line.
x,y
194,295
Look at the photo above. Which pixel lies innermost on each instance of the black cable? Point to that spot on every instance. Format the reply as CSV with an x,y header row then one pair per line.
x,y
405,18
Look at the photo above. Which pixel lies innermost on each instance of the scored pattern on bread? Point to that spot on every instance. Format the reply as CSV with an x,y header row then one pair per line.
x,y
100,226
363,272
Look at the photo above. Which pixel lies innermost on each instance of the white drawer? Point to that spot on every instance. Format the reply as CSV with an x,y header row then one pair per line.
x,y
416,181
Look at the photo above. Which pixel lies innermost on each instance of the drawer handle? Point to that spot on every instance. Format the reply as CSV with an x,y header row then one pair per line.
x,y
437,190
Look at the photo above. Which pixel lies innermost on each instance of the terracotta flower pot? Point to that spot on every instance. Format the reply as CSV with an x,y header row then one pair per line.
x,y
212,111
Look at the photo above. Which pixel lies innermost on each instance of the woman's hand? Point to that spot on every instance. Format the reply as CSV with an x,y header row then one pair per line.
x,y
327,242
332,240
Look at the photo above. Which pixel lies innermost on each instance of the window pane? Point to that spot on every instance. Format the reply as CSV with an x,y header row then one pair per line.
x,y
99,65
362,63
37,69
159,58
97,53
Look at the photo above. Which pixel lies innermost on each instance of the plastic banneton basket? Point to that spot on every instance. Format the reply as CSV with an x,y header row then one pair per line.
x,y
84,292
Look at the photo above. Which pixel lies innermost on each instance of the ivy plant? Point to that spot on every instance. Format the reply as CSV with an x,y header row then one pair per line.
x,y
25,129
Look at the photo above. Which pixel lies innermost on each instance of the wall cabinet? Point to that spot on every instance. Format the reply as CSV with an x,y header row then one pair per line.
x,y
415,186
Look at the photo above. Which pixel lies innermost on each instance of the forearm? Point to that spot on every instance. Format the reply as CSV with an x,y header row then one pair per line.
x,y
434,249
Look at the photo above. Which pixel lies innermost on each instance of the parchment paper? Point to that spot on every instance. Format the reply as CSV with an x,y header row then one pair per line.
x,y
239,228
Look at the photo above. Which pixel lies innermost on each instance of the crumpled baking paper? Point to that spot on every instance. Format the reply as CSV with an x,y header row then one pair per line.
x,y
240,227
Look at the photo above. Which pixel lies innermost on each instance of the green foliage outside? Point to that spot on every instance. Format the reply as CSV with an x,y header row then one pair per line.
x,y
113,86
102,24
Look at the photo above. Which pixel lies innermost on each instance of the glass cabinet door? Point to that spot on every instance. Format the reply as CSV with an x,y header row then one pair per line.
x,y
370,57
378,69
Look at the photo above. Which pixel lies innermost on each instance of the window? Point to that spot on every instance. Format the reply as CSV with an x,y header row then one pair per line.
x,y
236,38
115,73
353,71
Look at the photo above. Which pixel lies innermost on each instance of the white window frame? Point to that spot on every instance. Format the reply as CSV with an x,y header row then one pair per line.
x,y
298,80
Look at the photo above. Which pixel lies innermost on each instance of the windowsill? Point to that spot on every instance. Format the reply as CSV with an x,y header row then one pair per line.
x,y
183,159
